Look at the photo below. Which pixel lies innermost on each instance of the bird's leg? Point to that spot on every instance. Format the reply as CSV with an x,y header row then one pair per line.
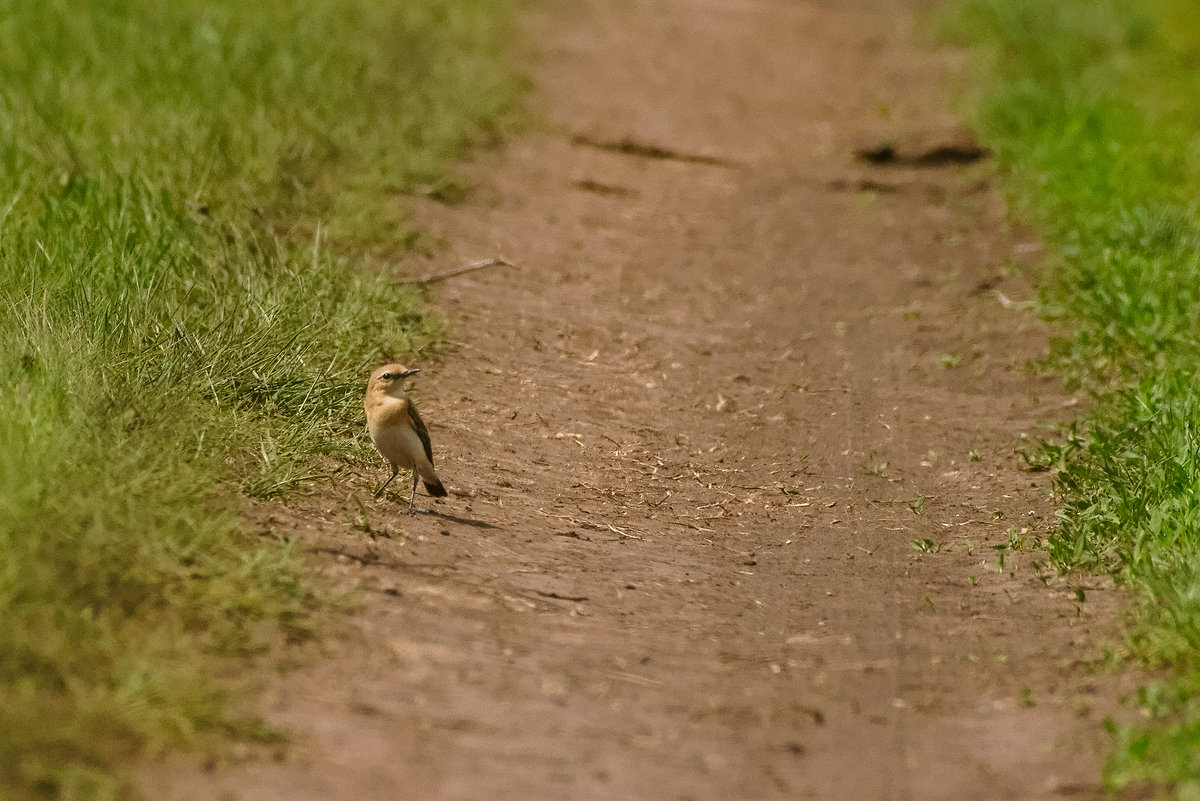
x,y
379,492
414,492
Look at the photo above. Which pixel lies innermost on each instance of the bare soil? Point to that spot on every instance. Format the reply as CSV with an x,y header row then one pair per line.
x,y
691,441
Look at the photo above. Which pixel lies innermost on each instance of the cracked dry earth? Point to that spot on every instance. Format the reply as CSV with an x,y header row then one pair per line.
x,y
692,439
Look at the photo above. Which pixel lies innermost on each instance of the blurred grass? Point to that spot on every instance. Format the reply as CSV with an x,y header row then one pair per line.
x,y
182,183
1093,110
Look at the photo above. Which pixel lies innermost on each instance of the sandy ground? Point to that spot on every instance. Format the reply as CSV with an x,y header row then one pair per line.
x,y
691,440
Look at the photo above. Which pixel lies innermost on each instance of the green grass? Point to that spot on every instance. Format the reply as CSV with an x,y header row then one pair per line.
x,y
1093,110
184,185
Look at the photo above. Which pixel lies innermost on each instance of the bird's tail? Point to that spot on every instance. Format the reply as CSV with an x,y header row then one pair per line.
x,y
433,484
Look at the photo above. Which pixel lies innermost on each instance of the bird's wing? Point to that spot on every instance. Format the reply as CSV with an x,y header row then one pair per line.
x,y
419,426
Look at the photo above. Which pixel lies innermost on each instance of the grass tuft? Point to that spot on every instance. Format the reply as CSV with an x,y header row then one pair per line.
x,y
182,187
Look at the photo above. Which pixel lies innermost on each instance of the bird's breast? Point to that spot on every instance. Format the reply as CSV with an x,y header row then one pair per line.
x,y
400,445
391,430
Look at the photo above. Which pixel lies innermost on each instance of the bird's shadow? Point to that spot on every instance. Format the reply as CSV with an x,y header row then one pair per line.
x,y
466,521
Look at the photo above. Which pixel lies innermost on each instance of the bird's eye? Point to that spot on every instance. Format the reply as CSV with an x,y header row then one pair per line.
x,y
386,376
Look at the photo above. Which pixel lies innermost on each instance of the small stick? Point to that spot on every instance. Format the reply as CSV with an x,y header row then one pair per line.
x,y
556,596
466,268
626,535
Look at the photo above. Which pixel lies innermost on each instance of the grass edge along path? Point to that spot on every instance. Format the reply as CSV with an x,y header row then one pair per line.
x,y
181,186
1092,108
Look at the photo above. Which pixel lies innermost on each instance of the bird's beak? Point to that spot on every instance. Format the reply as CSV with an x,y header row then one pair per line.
x,y
410,371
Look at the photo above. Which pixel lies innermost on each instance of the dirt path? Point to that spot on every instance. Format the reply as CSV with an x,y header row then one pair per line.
x,y
694,437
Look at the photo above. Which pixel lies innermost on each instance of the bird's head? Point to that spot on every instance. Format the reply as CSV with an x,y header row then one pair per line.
x,y
389,378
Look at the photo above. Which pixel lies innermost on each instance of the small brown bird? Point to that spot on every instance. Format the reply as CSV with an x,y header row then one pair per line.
x,y
398,431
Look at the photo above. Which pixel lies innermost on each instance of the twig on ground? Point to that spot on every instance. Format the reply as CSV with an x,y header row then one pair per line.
x,y
624,534
632,147
589,524
466,268
558,597
633,678
693,526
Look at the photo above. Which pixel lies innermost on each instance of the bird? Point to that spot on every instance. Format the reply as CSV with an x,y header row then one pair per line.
x,y
398,431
